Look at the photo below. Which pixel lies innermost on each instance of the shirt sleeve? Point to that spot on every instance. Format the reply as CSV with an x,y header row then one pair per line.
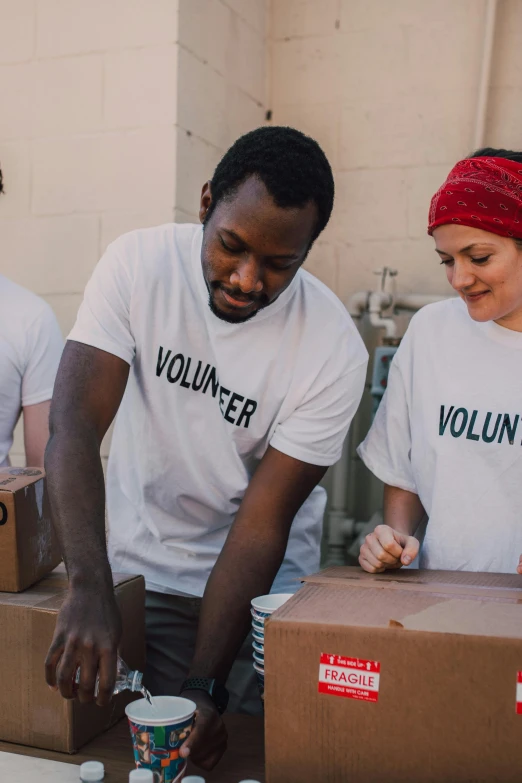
x,y
44,350
103,319
316,430
386,451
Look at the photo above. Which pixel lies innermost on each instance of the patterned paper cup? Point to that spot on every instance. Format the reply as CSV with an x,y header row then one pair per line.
x,y
158,732
265,605
261,609
259,659
260,675
260,617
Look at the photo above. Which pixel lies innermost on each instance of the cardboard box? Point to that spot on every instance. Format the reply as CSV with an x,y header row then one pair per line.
x,y
405,676
29,547
32,714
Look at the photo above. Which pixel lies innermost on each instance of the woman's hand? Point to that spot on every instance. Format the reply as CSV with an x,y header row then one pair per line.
x,y
387,548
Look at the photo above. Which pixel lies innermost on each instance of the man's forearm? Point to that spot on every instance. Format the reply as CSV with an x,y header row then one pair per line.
x,y
250,559
403,510
244,570
77,498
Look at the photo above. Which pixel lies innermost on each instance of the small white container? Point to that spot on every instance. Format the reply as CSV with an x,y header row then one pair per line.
x,y
141,776
92,771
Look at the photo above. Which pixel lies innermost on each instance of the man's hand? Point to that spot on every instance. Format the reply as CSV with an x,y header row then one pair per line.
x,y
386,548
87,392
87,635
208,738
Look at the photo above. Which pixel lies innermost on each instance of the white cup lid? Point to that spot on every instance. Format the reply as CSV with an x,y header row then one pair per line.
x,y
194,779
92,771
141,776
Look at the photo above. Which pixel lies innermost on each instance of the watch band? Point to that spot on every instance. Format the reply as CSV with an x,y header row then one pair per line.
x,y
217,692
198,684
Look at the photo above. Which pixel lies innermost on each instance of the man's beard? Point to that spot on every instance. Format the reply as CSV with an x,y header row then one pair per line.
x,y
261,300
239,319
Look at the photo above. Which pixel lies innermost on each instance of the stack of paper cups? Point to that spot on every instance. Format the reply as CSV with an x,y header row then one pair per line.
x,y
261,610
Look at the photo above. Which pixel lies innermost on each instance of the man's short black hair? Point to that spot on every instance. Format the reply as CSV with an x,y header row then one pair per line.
x,y
491,152
292,166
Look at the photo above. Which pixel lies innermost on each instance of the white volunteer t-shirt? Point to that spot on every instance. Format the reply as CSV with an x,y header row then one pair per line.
x,y
30,349
204,400
449,429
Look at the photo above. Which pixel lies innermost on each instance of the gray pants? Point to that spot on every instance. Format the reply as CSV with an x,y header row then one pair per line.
x,y
171,626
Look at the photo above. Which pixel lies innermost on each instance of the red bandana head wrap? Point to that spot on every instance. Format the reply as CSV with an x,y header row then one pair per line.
x,y
483,193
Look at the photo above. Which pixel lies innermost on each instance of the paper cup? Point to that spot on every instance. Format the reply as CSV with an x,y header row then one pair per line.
x,y
266,605
259,659
157,734
259,637
260,676
258,626
259,648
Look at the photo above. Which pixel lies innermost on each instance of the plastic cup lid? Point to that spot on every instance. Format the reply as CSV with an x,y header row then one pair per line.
x,y
92,771
165,711
141,776
194,779
269,603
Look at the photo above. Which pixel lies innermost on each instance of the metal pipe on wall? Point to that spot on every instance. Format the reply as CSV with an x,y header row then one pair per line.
x,y
340,526
416,301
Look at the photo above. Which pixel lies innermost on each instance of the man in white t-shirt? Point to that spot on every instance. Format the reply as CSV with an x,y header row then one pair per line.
x,y
30,348
238,374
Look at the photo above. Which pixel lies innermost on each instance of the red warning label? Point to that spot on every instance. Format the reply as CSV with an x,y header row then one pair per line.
x,y
519,693
353,678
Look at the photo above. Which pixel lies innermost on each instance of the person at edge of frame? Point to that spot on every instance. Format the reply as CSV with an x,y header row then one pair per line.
x,y
31,345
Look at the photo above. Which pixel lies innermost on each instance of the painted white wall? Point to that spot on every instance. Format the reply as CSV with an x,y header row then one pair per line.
x,y
389,88
221,87
113,115
115,112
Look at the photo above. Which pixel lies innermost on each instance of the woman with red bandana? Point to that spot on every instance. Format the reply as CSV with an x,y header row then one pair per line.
x,y
447,437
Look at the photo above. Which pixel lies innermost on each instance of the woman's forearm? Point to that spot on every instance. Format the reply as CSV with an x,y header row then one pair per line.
x,y
403,510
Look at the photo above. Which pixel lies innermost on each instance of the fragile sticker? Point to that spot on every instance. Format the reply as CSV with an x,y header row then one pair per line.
x,y
352,678
519,693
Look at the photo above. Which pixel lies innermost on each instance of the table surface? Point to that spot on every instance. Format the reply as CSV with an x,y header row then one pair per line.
x,y
243,759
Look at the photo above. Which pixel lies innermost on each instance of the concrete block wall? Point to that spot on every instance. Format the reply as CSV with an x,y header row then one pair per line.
x,y
222,87
114,113
389,89
87,137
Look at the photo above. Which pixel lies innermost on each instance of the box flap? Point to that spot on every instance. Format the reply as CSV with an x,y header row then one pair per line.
x,y
49,592
462,583
14,479
330,603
